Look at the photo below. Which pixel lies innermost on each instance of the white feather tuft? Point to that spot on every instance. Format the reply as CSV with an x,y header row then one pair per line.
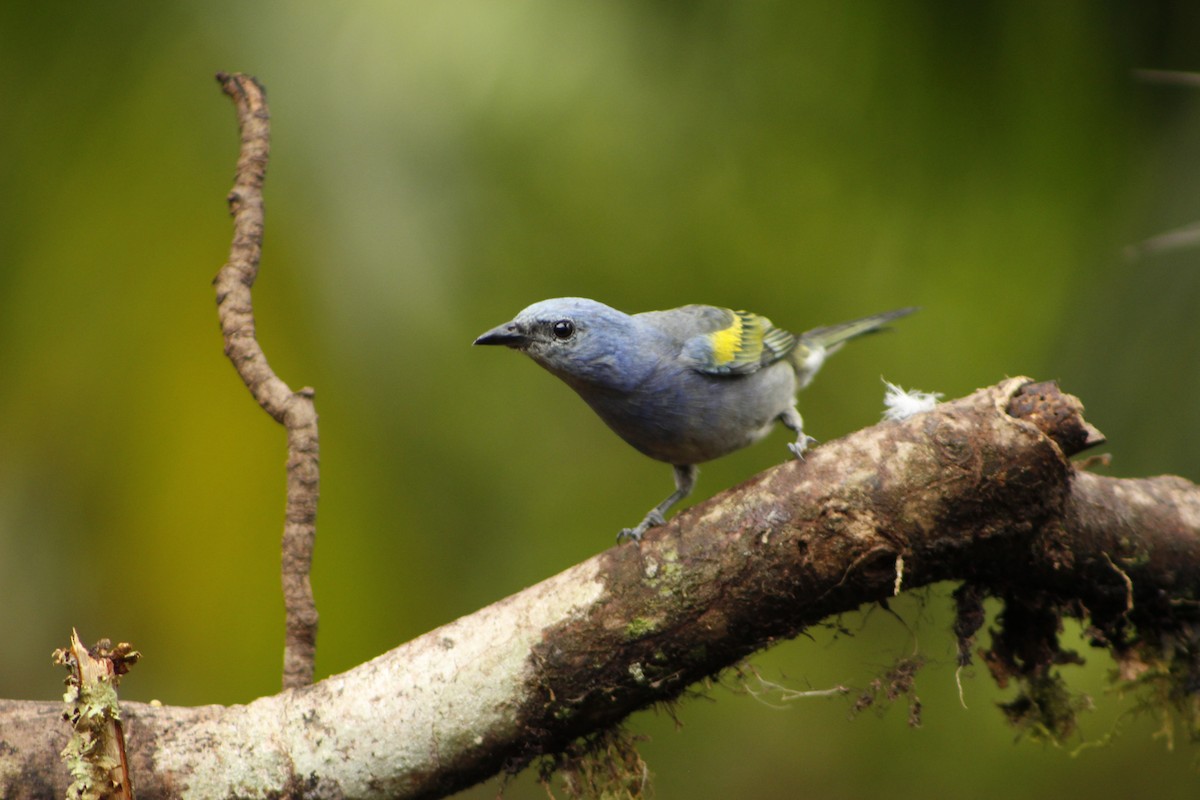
x,y
900,404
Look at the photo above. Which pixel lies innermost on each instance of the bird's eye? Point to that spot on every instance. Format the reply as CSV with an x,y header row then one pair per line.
x,y
563,329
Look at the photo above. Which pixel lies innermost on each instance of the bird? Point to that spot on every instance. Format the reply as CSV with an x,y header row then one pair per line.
x,y
684,386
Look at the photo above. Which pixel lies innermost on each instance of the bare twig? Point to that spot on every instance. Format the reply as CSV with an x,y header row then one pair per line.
x,y
1175,239
294,410
1168,77
1188,235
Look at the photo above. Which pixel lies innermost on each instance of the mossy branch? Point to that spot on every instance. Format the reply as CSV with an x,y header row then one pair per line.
x,y
980,490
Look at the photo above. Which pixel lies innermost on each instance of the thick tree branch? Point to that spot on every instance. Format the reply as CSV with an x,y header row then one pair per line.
x,y
294,410
979,490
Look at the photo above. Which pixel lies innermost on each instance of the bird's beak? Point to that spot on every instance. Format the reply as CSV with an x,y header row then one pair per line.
x,y
509,334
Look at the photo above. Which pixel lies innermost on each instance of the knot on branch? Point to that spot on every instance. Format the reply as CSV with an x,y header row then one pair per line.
x,y
1056,414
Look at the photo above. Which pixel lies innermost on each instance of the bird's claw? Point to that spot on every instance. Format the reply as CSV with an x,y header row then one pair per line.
x,y
630,533
652,520
801,445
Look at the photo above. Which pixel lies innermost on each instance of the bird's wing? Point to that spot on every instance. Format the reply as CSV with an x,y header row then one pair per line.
x,y
740,344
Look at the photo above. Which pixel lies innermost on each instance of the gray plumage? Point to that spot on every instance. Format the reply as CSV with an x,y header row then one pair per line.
x,y
683,386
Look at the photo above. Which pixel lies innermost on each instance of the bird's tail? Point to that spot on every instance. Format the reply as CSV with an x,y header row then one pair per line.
x,y
831,337
813,346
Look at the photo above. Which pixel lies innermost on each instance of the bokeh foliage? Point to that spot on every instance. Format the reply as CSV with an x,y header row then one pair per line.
x,y
436,167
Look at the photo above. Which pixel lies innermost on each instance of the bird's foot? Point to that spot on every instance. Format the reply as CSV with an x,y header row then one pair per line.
x,y
801,445
652,520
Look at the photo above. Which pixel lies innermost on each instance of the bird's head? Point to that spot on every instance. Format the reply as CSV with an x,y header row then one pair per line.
x,y
579,340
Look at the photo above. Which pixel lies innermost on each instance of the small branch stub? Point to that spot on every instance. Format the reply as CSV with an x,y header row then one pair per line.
x,y
95,754
294,410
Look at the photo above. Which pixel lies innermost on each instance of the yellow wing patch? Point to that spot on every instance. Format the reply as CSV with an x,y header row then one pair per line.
x,y
727,343
748,344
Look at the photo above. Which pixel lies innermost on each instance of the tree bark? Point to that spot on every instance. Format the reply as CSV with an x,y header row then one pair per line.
x,y
979,490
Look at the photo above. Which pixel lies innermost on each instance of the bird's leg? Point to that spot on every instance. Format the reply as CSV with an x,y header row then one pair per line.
x,y
685,479
792,419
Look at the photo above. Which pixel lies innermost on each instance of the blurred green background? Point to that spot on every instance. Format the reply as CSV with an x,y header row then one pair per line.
x,y
437,167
